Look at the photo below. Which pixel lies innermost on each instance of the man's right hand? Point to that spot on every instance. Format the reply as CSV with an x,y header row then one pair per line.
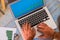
x,y
46,30
28,32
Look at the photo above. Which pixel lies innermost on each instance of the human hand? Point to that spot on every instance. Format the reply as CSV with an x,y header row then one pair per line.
x,y
28,32
46,30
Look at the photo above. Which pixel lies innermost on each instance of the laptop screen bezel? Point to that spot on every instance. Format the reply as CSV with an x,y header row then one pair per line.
x,y
26,13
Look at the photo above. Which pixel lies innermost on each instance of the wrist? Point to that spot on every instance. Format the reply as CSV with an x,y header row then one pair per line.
x,y
53,35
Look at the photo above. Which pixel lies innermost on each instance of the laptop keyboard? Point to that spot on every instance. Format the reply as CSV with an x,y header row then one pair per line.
x,y
36,18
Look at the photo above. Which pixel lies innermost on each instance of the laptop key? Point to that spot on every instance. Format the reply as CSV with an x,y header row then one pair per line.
x,y
35,18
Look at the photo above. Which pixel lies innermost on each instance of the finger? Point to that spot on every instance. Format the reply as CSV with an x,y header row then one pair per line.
x,y
42,26
23,27
29,27
34,31
45,26
40,30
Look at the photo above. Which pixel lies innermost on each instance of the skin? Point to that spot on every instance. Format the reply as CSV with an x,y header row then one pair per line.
x,y
57,35
58,20
28,32
46,30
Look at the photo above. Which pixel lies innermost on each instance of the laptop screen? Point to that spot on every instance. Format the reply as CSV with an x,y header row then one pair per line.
x,y
22,7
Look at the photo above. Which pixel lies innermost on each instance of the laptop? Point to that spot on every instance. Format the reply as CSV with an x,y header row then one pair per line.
x,y
33,12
